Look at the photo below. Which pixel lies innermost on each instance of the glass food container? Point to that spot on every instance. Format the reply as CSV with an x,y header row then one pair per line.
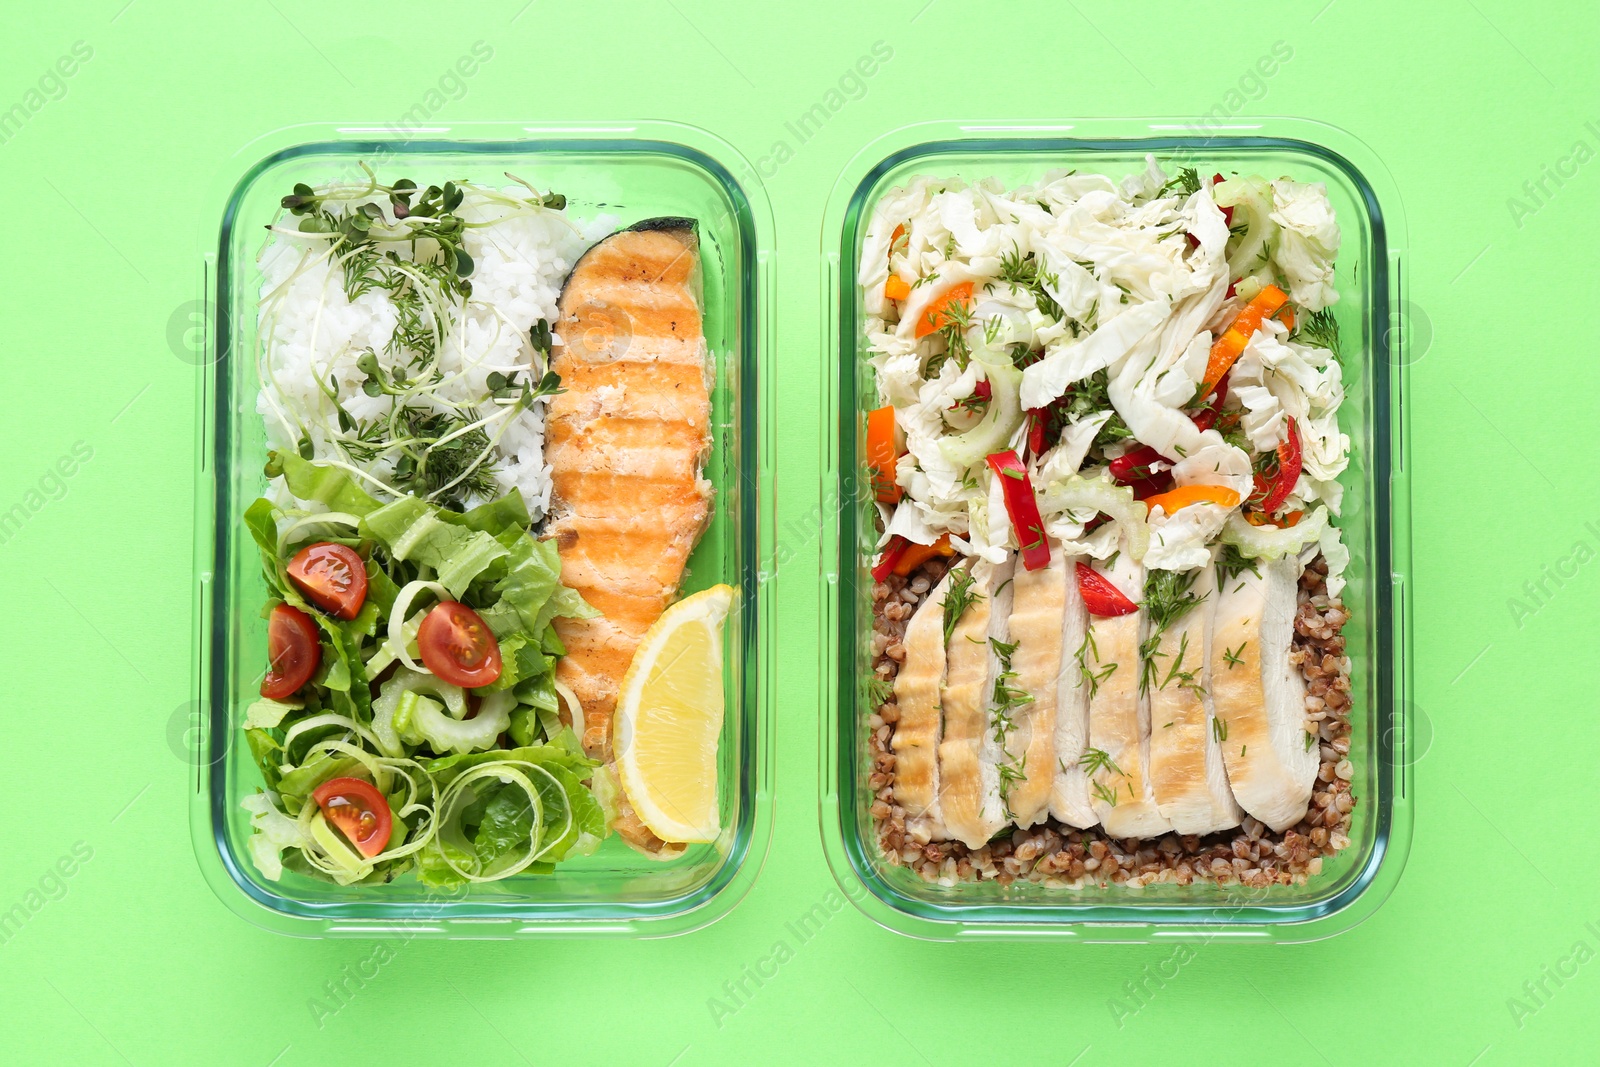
x,y
632,171
1375,521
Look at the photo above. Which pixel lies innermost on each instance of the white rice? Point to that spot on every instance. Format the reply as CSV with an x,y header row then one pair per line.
x,y
309,332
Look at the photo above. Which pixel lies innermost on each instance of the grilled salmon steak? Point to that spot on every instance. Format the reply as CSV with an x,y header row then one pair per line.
x,y
626,443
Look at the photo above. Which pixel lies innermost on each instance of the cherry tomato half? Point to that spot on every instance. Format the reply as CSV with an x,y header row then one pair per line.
x,y
332,577
293,652
458,646
358,810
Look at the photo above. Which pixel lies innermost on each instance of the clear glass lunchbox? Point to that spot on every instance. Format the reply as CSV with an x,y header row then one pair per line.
x,y
629,170
1376,524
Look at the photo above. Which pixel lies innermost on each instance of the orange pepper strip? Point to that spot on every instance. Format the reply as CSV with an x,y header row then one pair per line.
x,y
916,555
937,317
882,453
896,288
1226,349
1184,495
1286,316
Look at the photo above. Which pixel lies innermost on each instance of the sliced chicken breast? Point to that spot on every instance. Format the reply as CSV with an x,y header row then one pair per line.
x,y
1038,599
1118,757
1069,789
969,778
1259,696
1186,766
915,742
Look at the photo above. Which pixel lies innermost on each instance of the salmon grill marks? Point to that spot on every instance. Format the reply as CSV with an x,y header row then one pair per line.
x,y
626,444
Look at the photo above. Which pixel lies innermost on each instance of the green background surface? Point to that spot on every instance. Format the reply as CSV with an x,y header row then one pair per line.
x,y
109,187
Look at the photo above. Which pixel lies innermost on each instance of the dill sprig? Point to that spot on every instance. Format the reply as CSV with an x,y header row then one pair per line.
x,y
1234,657
1318,329
1186,679
1219,730
1168,597
1006,698
879,690
1230,563
1090,396
1095,760
1098,759
1010,775
1092,678
1025,272
1186,181
957,599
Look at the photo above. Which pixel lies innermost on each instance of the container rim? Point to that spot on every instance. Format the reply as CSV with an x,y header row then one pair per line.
x,y
749,281
1237,917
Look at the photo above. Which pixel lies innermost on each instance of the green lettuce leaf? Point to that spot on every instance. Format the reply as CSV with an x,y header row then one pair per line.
x,y
268,755
345,673
261,519
317,481
531,593
412,529
509,512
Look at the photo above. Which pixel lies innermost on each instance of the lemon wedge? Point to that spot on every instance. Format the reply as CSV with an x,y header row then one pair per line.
x,y
669,716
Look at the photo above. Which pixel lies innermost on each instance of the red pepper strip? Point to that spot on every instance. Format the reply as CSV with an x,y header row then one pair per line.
x,y
1134,466
1272,491
1037,417
891,555
916,555
1101,597
1206,417
1022,508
